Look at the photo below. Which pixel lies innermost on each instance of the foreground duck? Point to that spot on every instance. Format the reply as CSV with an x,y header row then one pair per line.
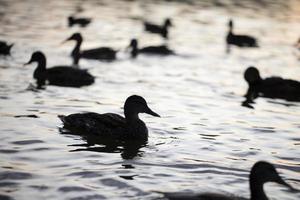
x,y
161,50
261,173
101,53
81,21
59,75
239,40
5,48
273,87
158,29
110,125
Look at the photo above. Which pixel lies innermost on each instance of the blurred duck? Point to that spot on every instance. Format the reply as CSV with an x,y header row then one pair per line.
x,y
110,125
81,21
66,76
298,44
161,50
159,29
101,53
239,40
273,87
5,48
261,173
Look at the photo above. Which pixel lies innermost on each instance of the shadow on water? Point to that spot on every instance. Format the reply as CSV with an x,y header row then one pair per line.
x,y
127,149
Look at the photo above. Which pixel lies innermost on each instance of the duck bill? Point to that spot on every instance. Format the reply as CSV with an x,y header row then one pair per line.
x,y
150,112
65,41
282,182
29,62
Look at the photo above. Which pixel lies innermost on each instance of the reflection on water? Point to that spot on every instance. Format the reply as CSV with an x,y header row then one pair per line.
x,y
204,139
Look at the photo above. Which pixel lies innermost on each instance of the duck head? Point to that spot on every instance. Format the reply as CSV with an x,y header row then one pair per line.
x,y
76,36
168,22
263,172
134,47
136,104
251,75
37,56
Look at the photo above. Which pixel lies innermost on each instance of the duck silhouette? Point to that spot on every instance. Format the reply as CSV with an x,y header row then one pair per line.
x,y
101,53
5,48
239,40
161,50
273,87
159,29
81,21
66,76
262,172
110,125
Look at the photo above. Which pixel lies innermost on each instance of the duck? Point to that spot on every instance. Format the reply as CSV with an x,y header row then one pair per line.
x,y
272,87
262,172
161,50
101,53
5,48
65,76
112,126
159,29
239,40
81,21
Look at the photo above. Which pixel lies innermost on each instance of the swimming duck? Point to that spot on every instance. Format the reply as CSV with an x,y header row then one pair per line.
x,y
158,29
261,173
239,40
110,125
81,21
101,53
161,50
59,75
273,87
5,48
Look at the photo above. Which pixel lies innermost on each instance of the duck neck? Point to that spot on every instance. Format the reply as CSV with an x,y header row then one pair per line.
x,y
40,72
257,190
76,51
131,116
134,51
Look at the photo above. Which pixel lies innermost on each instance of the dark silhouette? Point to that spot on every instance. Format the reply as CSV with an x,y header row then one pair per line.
x,y
273,87
261,173
101,53
161,50
159,29
128,149
81,21
5,48
239,40
66,76
110,125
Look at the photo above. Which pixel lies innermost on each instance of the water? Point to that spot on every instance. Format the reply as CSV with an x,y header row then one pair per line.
x,y
204,141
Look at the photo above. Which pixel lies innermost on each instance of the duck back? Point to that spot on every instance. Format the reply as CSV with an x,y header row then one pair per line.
x,y
160,50
276,87
102,53
241,40
68,76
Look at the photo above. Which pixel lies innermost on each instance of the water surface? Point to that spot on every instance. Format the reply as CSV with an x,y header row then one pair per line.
x,y
204,141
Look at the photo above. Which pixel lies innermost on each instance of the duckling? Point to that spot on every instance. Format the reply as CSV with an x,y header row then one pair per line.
x,y
81,21
5,48
239,40
101,53
261,173
273,87
159,29
161,50
58,75
110,125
